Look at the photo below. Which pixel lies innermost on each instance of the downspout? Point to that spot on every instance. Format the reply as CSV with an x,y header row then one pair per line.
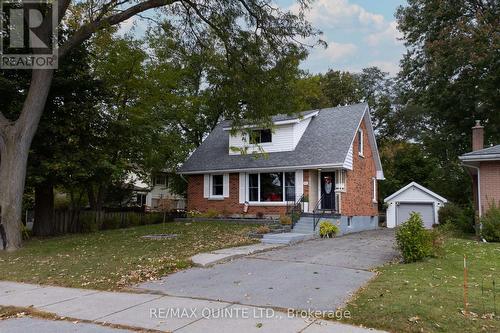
x,y
479,199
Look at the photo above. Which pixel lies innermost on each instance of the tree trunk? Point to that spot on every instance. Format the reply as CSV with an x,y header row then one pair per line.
x,y
44,210
15,141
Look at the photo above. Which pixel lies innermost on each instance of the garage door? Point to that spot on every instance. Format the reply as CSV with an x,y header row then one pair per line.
x,y
425,209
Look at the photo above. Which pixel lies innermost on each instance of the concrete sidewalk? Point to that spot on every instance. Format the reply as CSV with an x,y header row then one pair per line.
x,y
156,312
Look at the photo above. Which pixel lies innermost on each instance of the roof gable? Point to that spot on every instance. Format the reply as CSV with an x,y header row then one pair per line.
x,y
325,142
418,186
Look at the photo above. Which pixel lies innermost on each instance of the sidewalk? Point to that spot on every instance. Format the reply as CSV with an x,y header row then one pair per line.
x,y
156,312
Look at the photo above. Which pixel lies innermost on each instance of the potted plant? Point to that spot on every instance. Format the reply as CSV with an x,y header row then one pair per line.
x,y
305,202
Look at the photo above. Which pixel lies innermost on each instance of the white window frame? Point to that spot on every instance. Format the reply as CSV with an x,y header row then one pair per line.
x,y
374,199
361,143
283,182
211,186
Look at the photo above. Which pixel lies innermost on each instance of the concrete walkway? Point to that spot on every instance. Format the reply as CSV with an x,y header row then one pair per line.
x,y
149,311
218,256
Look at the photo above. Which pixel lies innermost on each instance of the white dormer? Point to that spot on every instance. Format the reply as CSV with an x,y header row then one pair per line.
x,y
285,136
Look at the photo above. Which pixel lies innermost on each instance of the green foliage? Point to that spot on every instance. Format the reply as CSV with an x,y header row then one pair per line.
x,y
328,230
211,214
449,79
132,220
461,219
285,220
413,240
491,223
111,222
88,222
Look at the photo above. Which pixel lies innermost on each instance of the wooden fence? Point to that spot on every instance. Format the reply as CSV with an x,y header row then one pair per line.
x,y
70,221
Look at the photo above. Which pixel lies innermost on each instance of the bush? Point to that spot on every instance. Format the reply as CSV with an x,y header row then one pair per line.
x,y
285,220
263,229
211,214
413,240
89,222
491,224
132,220
111,222
458,218
328,230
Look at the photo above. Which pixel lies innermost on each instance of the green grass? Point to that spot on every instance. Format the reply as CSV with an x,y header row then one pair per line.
x,y
428,296
110,260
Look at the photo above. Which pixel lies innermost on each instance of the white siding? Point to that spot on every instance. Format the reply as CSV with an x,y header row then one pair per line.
x,y
285,138
348,163
298,131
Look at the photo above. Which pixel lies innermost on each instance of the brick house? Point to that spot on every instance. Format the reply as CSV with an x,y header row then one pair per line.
x,y
483,165
326,159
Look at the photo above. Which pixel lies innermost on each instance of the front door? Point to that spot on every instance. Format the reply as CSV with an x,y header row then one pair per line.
x,y
328,190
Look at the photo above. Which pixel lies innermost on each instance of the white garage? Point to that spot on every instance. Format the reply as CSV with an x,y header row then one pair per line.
x,y
413,198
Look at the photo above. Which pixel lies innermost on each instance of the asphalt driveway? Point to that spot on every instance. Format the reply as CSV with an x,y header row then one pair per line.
x,y
314,275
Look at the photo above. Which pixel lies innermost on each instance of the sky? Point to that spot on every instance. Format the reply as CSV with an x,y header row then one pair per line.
x,y
360,34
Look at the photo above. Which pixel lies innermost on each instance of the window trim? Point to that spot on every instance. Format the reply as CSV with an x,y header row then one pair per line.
x,y
361,143
211,186
259,136
283,186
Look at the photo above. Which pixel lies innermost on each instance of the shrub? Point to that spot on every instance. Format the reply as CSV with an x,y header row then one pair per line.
x,y
459,218
263,229
193,213
491,224
327,229
211,213
89,222
111,222
413,240
285,220
132,220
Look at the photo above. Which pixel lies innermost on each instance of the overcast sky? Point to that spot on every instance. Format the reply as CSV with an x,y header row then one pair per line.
x,y
360,33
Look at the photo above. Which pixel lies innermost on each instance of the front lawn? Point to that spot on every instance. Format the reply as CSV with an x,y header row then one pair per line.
x,y
117,258
428,296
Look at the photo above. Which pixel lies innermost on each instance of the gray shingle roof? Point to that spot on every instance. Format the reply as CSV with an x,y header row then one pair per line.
x,y
326,141
486,151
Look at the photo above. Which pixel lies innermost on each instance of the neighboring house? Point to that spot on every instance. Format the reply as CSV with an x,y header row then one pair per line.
x,y
483,165
329,156
158,197
413,198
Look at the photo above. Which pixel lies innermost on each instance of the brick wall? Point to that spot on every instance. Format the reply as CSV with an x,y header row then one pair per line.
x,y
229,206
490,184
357,201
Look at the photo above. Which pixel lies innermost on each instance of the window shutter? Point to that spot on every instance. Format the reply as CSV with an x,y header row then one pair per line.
x,y
226,185
206,186
243,188
299,184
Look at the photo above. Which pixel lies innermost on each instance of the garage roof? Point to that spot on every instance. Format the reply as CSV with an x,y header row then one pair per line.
x,y
420,187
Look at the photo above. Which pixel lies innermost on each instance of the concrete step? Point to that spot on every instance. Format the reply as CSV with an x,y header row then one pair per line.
x,y
286,238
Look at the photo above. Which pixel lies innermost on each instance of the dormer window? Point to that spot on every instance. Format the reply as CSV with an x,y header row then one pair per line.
x,y
261,136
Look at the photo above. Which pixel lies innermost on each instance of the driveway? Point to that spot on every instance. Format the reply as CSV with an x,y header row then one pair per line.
x,y
314,275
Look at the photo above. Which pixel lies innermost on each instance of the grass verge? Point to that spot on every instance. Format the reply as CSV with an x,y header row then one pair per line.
x,y
111,260
428,296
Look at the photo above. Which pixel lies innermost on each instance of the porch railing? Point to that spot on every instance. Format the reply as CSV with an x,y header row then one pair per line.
x,y
319,213
295,210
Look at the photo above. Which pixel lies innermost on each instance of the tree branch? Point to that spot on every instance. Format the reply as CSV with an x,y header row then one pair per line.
x,y
88,29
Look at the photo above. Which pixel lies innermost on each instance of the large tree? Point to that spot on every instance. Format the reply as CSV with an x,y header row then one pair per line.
x,y
450,77
240,27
